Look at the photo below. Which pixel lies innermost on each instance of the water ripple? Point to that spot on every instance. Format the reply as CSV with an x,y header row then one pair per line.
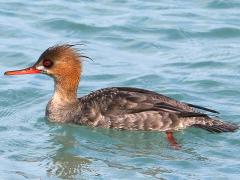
x,y
188,50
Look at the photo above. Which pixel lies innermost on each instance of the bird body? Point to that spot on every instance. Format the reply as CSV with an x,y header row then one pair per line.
x,y
124,108
128,109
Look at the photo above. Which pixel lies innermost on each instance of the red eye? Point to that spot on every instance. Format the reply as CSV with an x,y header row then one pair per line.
x,y
47,63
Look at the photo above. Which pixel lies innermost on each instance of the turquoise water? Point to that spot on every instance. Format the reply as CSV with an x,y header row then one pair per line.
x,y
186,50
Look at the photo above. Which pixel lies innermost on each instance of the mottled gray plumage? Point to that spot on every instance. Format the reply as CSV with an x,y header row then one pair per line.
x,y
134,109
117,107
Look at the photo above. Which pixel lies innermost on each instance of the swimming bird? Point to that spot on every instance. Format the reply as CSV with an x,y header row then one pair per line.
x,y
124,108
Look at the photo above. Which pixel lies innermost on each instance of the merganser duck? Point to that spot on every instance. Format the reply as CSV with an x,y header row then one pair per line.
x,y
124,108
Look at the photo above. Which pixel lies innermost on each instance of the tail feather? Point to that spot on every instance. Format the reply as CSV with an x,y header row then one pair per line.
x,y
217,126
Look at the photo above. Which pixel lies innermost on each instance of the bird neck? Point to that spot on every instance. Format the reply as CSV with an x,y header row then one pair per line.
x,y
65,91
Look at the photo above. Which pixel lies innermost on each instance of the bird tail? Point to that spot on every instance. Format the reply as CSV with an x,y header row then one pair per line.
x,y
216,126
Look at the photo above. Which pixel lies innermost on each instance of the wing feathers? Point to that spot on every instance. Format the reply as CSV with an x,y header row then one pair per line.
x,y
203,108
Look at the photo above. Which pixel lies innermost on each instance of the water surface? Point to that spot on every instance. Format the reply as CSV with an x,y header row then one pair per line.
x,y
186,50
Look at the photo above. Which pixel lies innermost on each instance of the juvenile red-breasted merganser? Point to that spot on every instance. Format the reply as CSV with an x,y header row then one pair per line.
x,y
123,108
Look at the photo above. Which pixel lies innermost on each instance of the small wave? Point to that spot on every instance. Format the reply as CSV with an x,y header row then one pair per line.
x,y
225,32
141,80
67,25
222,33
206,83
206,64
101,77
216,4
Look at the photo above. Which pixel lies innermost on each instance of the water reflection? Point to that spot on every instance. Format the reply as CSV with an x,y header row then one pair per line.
x,y
65,163
88,152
